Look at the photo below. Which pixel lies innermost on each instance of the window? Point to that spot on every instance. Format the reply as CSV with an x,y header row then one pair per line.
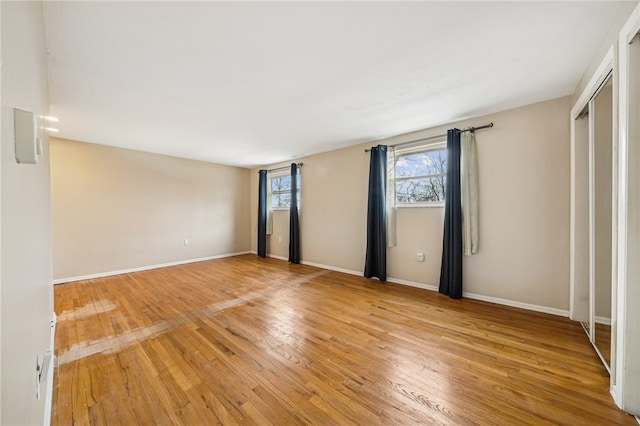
x,y
420,176
281,191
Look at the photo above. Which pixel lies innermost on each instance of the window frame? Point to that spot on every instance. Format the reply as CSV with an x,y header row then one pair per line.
x,y
279,174
437,145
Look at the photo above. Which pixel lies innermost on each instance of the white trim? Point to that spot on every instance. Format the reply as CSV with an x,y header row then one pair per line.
x,y
626,346
285,171
334,268
602,320
145,268
611,365
572,221
431,287
319,265
599,76
435,204
48,399
435,144
592,214
618,343
490,299
516,304
278,257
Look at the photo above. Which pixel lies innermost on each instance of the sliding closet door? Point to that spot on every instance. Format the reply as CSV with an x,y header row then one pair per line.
x,y
602,208
580,298
592,209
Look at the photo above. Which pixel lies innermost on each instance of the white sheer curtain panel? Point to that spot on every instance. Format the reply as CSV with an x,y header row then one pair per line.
x,y
392,238
269,207
469,188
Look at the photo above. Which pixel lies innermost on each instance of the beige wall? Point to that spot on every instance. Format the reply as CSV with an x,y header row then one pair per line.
x,y
524,210
116,209
332,202
26,228
278,243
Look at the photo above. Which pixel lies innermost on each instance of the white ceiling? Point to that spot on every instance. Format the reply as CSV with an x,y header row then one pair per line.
x,y
255,83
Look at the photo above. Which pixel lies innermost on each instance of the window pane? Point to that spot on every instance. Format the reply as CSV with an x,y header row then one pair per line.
x,y
285,200
420,177
281,183
275,200
423,190
422,164
281,191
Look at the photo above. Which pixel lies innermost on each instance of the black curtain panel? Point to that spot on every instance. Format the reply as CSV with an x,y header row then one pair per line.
x,y
451,268
294,227
262,214
376,256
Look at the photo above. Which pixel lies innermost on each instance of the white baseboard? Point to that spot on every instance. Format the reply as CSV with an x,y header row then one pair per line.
x,y
278,257
603,320
497,300
333,268
516,304
145,268
317,265
431,287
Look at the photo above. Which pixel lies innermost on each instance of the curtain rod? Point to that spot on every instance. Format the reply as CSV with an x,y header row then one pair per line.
x,y
430,138
283,168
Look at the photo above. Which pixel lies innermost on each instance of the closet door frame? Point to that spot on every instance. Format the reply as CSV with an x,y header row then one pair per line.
x,y
578,309
625,377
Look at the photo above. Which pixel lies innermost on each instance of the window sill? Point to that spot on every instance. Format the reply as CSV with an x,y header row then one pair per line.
x,y
420,205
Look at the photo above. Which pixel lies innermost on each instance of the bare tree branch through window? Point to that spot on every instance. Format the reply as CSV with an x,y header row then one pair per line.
x,y
281,191
420,177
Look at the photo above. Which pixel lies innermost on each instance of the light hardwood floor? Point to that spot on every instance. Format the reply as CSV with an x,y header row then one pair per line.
x,y
603,341
246,340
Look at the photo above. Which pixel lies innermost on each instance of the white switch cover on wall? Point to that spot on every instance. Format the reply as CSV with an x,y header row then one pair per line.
x,y
26,137
186,241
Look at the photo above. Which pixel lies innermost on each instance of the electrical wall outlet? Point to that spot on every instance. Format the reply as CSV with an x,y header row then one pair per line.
x,y
420,257
186,242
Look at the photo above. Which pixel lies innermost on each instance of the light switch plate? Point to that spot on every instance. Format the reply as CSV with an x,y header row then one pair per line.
x,y
26,136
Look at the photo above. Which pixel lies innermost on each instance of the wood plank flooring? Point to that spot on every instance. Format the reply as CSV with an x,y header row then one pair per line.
x,y
247,340
603,340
